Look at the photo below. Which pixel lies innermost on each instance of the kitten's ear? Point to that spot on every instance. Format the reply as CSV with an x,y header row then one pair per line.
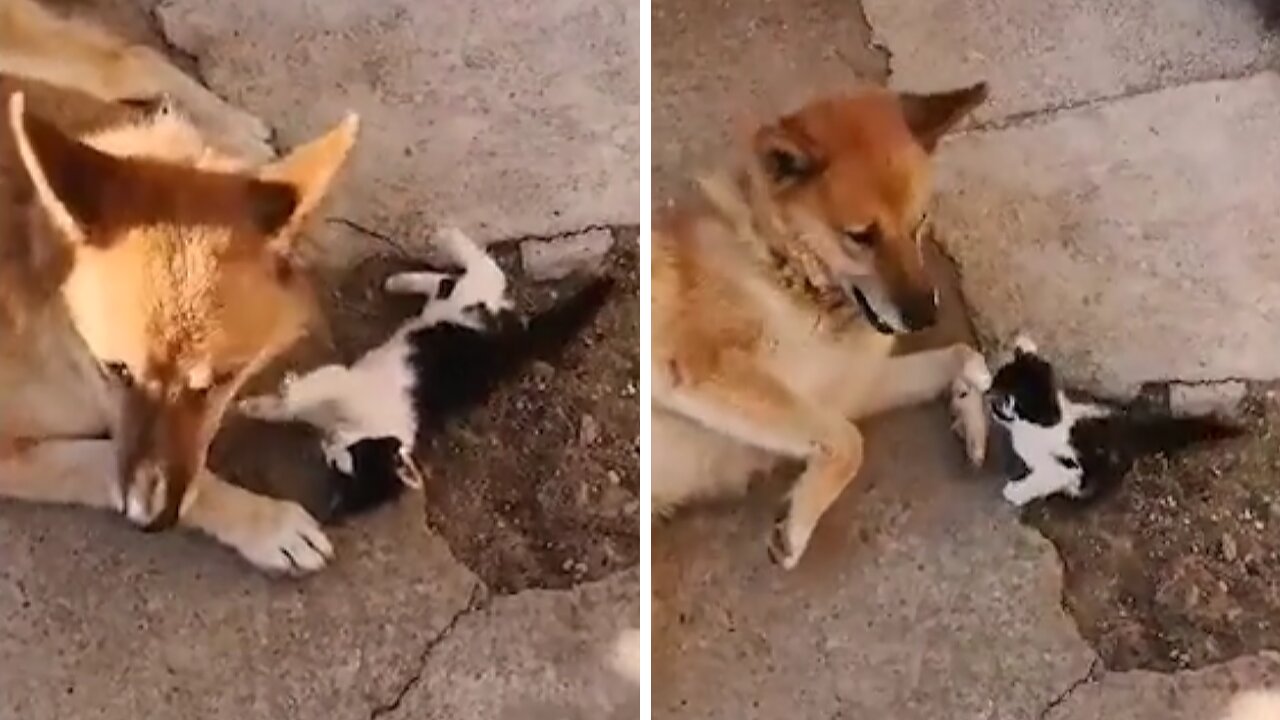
x,y
1024,345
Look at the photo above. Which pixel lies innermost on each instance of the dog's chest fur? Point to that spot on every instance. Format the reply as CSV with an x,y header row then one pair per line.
x,y
803,344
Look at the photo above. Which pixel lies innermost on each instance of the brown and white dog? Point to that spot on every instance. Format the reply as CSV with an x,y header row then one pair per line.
x,y
148,277
778,294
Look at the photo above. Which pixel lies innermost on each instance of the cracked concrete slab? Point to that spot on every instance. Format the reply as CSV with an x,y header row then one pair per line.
x,y
507,118
1045,55
921,597
539,655
1192,695
127,625
1138,240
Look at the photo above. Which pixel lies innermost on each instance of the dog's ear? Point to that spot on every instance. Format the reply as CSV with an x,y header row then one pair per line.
x,y
932,116
784,155
306,173
67,175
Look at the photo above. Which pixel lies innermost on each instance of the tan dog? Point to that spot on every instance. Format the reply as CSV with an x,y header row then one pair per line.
x,y
38,44
151,278
776,300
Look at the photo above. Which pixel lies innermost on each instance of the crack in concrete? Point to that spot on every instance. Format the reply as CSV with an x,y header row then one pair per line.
x,y
551,237
1045,114
876,44
479,601
1090,676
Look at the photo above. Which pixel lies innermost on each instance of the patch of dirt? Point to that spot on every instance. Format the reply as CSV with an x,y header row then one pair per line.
x,y
1180,567
538,488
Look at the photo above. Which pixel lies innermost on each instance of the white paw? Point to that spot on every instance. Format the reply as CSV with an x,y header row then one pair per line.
x,y
969,419
1014,494
284,539
261,407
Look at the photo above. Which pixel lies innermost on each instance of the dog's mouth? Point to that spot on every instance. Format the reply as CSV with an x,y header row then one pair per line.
x,y
864,306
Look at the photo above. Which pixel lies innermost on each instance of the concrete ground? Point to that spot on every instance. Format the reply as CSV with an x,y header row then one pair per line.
x,y
513,120
1117,199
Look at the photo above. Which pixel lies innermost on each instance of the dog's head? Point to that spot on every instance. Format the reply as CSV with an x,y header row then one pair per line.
x,y
182,281
847,180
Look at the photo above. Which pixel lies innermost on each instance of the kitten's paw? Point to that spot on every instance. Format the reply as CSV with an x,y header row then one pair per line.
x,y
261,407
1015,495
969,419
415,283
789,538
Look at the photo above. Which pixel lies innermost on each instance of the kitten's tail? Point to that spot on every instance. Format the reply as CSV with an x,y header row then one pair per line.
x,y
1155,434
551,330
462,380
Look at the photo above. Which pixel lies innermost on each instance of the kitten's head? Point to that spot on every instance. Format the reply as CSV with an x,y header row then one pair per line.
x,y
1025,388
372,477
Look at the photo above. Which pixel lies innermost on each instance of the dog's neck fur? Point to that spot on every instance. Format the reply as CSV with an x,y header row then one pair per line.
x,y
740,201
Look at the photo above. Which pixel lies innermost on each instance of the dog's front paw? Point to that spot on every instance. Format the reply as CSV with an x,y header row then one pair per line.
x,y
789,538
285,539
969,419
278,536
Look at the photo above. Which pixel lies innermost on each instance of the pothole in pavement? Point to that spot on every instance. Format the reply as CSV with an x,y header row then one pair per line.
x,y
537,489
1180,566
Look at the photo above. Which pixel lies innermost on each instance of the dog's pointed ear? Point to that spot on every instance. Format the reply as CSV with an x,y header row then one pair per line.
x,y
307,173
932,116
68,176
784,155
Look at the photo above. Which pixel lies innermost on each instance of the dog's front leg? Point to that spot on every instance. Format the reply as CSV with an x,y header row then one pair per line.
x,y
275,535
748,403
60,472
278,536
918,378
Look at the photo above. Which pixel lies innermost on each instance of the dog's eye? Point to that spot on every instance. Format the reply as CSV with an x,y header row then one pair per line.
x,y
865,237
118,372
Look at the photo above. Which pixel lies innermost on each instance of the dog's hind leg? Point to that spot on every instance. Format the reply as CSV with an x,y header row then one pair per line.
x,y
918,378
275,535
75,55
750,405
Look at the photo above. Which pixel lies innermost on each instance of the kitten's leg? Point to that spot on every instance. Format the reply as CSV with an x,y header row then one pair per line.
x,y
1036,484
269,408
483,282
416,283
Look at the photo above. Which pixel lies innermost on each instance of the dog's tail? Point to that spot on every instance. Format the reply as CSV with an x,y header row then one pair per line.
x,y
1163,434
460,368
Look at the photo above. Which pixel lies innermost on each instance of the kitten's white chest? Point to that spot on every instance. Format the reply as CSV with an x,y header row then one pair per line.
x,y
1043,450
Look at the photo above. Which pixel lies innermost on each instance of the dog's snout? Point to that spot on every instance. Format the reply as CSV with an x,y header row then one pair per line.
x,y
149,500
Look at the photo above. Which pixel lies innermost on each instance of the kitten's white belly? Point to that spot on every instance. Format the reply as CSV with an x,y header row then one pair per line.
x,y
378,397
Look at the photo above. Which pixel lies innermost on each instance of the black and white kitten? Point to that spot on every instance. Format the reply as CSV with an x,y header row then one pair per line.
x,y
447,358
1078,448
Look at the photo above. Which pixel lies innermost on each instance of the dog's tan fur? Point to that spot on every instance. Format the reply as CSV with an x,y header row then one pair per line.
x,y
39,44
754,338
152,275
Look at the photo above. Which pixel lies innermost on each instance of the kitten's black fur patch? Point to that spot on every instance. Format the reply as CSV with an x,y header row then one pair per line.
x,y
1105,447
374,478
456,367
1029,381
